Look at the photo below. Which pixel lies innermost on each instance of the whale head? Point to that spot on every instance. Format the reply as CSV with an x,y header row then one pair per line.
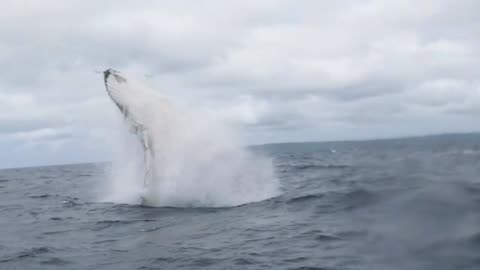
x,y
117,88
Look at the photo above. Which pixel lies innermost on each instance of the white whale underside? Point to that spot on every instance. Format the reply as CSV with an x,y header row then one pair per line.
x,y
132,104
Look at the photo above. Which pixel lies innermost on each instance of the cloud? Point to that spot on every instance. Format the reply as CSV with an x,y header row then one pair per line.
x,y
280,70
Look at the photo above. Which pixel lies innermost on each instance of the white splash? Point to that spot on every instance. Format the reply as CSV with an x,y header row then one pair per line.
x,y
198,161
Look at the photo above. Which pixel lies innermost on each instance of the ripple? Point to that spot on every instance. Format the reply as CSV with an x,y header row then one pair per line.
x,y
296,259
104,224
163,260
358,198
105,241
305,198
320,166
244,261
57,232
326,238
33,252
203,262
153,229
55,261
43,196
311,268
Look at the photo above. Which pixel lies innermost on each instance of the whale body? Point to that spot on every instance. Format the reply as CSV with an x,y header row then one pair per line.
x,y
134,105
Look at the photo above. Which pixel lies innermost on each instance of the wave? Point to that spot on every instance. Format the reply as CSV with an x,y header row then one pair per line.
x,y
320,166
28,253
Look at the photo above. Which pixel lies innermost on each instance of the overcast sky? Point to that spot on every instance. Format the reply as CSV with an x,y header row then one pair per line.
x,y
280,70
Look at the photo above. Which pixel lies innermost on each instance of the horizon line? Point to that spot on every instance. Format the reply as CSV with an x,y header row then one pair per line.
x,y
273,143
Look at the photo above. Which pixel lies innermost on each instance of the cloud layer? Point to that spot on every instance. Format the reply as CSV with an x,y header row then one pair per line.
x,y
280,70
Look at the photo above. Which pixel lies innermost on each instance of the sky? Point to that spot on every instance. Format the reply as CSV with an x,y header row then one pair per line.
x,y
278,70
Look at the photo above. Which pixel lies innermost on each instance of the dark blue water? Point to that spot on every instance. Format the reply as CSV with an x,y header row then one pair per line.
x,y
392,204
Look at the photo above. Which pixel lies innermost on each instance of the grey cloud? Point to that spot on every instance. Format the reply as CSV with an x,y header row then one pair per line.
x,y
27,125
283,70
42,135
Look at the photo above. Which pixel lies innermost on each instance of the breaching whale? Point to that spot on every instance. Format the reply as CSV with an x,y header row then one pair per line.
x,y
184,156
131,104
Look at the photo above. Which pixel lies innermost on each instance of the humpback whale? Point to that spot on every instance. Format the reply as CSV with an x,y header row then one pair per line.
x,y
131,103
184,156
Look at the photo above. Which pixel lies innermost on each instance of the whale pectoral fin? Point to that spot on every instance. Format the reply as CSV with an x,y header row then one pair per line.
x,y
148,156
146,142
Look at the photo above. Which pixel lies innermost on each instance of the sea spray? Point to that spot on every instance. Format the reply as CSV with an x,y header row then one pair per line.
x,y
198,161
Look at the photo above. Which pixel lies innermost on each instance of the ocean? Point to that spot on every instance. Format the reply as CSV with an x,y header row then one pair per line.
x,y
384,204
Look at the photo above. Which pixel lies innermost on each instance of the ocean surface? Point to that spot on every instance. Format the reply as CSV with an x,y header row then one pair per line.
x,y
386,204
